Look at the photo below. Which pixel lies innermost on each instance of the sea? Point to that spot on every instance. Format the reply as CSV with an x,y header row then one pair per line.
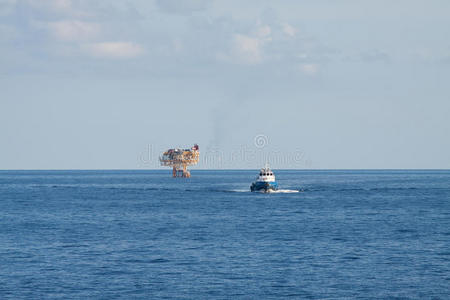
x,y
140,234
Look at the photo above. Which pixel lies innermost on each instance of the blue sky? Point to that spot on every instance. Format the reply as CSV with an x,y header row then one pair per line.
x,y
327,84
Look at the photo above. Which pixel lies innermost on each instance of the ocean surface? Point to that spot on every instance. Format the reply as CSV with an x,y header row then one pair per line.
x,y
142,234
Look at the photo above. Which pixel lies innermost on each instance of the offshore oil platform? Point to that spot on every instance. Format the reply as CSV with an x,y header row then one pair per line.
x,y
180,159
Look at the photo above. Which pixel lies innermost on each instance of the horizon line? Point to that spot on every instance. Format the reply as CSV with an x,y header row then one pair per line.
x,y
234,169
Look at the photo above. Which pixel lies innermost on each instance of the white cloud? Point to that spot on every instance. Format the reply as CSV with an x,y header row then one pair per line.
x,y
113,49
247,49
309,69
74,30
289,30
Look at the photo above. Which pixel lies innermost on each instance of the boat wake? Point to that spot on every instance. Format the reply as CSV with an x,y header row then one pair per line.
x,y
281,191
285,191
239,191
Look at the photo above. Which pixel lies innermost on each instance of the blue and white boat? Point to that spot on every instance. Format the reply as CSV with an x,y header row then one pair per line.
x,y
265,182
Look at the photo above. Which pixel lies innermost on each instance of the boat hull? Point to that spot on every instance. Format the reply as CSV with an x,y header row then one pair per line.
x,y
264,186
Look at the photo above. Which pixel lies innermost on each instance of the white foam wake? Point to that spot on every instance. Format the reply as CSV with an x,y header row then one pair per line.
x,y
285,191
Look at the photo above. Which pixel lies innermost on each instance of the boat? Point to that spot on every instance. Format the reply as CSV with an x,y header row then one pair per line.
x,y
265,182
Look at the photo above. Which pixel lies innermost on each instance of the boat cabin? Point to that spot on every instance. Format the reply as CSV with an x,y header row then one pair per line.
x,y
266,175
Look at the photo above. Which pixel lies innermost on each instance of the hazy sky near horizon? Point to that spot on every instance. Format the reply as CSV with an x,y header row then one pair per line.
x,y
318,84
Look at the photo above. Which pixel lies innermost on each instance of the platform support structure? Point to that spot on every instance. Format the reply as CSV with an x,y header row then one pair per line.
x,y
181,171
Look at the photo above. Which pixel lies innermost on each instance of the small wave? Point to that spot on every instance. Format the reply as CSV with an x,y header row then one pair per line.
x,y
158,261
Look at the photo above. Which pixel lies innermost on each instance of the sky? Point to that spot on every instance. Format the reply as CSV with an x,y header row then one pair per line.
x,y
302,84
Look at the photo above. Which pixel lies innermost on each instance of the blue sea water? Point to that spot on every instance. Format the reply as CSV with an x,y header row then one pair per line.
x,y
143,234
